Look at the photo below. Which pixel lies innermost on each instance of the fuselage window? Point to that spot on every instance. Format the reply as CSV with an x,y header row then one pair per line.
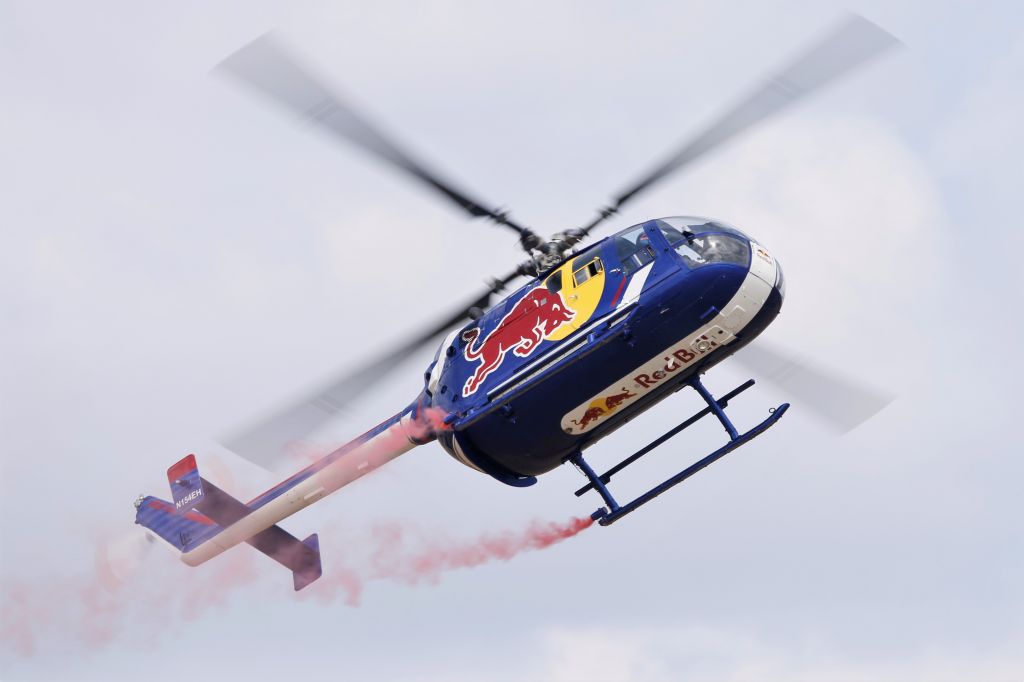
x,y
587,271
554,282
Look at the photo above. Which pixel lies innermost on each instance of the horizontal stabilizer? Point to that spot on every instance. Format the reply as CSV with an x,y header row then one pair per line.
x,y
301,557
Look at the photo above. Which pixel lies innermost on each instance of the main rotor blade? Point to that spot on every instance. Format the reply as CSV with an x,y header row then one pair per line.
x,y
268,441
269,69
854,42
841,403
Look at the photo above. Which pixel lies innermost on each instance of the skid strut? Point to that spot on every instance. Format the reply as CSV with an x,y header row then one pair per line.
x,y
614,511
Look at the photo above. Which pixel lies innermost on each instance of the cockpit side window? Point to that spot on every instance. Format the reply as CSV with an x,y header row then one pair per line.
x,y
634,250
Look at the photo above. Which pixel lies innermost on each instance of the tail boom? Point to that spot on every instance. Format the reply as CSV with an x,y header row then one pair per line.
x,y
341,467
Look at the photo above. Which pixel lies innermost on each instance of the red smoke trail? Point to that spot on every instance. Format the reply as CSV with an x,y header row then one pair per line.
x,y
394,554
93,610
430,562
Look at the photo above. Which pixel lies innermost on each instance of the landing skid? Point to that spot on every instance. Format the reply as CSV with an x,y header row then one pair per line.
x,y
613,511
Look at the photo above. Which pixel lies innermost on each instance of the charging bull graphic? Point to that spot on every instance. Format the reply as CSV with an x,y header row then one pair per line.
x,y
602,406
613,401
592,413
521,331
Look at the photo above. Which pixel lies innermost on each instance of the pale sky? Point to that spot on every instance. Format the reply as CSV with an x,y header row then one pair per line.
x,y
179,258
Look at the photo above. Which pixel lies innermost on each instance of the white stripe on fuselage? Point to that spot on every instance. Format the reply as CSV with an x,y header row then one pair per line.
x,y
719,331
635,286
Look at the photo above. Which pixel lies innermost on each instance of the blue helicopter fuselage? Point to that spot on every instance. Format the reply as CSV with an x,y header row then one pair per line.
x,y
574,354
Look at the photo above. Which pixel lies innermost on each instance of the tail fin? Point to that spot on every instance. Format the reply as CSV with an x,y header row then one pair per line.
x,y
201,510
186,484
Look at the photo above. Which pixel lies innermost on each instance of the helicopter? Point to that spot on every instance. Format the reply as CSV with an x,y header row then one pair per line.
x,y
597,334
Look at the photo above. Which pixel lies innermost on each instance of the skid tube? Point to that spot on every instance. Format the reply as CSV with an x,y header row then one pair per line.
x,y
613,511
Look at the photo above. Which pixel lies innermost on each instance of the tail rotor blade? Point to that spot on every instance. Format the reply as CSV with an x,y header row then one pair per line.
x,y
840,402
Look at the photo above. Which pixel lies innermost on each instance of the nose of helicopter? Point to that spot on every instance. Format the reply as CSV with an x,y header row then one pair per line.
x,y
764,266
780,281
761,294
715,254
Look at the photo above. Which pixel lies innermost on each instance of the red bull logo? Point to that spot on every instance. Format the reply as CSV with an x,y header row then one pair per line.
x,y
613,401
603,406
590,415
534,316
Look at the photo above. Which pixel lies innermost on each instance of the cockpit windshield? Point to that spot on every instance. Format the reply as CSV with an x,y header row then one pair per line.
x,y
697,225
701,242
